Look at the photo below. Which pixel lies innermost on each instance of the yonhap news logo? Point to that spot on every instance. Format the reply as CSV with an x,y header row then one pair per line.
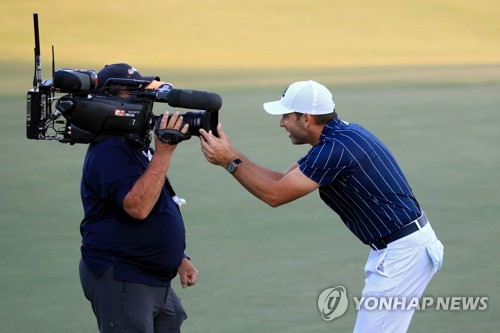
x,y
333,303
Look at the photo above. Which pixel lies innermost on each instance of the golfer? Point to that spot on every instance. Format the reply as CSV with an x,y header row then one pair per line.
x,y
359,179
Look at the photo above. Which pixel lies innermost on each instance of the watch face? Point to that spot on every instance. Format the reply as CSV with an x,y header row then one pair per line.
x,y
231,167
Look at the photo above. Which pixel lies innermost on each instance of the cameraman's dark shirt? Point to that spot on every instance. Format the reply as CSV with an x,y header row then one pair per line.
x,y
143,251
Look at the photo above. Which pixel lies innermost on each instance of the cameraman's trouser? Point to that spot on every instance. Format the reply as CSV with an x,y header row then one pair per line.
x,y
126,307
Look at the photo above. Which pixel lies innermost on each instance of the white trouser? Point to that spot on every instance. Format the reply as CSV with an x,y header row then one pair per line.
x,y
403,269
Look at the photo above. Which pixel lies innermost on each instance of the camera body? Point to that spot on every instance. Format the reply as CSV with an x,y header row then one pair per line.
x,y
70,109
88,114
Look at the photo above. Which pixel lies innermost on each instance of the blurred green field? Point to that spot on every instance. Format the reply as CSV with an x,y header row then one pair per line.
x,y
261,269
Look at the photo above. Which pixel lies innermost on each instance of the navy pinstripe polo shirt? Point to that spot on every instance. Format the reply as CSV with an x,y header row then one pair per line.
x,y
360,180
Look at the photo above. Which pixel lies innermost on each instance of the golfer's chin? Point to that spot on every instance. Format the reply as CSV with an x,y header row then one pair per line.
x,y
295,141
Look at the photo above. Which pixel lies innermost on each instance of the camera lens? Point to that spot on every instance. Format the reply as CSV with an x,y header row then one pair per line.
x,y
196,120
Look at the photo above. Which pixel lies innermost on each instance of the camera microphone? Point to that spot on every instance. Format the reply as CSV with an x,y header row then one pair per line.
x,y
194,99
186,99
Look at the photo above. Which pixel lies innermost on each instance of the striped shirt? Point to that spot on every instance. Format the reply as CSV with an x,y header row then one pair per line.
x,y
360,180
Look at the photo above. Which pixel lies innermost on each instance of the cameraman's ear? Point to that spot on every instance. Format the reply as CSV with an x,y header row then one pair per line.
x,y
155,84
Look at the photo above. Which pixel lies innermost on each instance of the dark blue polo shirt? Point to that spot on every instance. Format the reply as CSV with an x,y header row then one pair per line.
x,y
145,251
360,180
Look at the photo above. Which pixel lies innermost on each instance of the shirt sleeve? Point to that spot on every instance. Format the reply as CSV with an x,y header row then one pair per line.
x,y
113,171
326,161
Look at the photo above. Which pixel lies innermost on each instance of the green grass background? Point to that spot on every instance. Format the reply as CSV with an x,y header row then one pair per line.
x,y
422,75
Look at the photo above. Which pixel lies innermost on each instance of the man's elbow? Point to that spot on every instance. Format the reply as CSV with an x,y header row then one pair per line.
x,y
274,204
279,198
275,201
138,213
136,207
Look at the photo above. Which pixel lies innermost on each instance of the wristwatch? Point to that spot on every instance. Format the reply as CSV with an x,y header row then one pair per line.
x,y
231,167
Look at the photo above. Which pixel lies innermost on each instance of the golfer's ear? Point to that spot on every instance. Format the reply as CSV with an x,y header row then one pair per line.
x,y
308,119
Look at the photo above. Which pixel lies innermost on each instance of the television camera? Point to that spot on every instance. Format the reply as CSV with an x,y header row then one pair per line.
x,y
90,113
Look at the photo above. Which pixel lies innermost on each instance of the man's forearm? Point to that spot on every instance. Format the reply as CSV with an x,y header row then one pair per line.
x,y
258,183
292,185
259,170
142,197
272,187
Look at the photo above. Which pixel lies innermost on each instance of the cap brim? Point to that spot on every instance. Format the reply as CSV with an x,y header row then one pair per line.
x,y
150,78
276,108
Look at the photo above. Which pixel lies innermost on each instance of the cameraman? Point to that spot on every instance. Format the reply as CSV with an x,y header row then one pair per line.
x,y
133,235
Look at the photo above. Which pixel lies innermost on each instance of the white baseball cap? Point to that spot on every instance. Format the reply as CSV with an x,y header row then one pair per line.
x,y
303,97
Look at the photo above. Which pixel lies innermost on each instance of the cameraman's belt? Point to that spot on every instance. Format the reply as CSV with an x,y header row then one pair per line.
x,y
381,243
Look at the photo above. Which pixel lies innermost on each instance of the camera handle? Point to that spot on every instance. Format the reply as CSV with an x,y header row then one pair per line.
x,y
170,136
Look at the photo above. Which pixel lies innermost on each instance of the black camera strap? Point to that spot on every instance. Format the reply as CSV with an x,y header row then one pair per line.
x,y
169,187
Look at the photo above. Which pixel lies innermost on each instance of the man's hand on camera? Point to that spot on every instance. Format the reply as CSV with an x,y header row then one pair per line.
x,y
217,150
172,125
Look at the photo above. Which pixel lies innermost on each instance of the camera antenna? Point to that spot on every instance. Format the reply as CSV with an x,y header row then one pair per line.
x,y
53,63
37,79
